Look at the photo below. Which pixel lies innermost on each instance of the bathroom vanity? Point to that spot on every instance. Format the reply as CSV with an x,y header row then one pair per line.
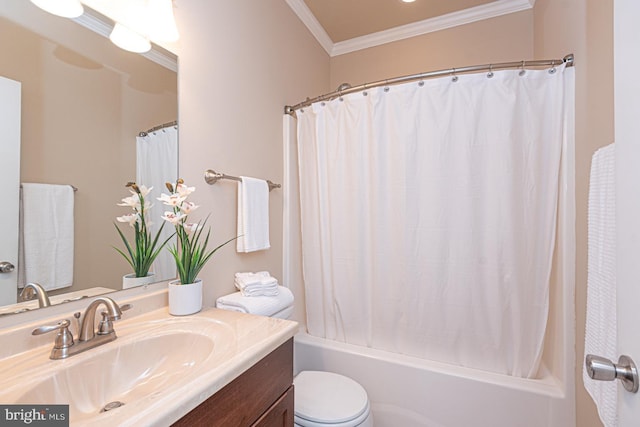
x,y
213,368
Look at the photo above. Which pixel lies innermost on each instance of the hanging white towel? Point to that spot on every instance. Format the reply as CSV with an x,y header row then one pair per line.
x,y
601,332
46,235
263,305
253,215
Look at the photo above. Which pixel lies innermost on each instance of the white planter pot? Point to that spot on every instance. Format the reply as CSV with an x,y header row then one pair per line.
x,y
185,299
131,281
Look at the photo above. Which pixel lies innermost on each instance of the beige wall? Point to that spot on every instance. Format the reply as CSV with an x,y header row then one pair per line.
x,y
586,29
241,62
81,111
500,39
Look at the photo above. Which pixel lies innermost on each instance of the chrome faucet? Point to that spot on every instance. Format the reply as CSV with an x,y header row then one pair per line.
x,y
34,289
88,338
88,327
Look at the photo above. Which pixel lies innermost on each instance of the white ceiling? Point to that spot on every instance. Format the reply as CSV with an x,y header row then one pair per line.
x,y
343,26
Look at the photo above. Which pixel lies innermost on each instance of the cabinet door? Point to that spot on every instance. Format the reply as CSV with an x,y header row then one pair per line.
x,y
280,414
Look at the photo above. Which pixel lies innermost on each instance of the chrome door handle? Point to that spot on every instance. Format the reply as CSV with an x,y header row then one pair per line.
x,y
600,368
6,267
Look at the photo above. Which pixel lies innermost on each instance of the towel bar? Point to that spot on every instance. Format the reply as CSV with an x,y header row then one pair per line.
x,y
211,177
72,186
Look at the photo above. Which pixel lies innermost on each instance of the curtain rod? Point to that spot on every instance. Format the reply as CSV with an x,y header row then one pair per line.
x,y
345,88
155,128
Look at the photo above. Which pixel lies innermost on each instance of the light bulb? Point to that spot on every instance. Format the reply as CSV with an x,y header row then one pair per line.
x,y
161,24
127,39
64,8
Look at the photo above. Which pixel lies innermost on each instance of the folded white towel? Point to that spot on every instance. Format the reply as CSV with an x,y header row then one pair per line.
x,y
261,291
47,234
248,279
262,305
601,324
256,284
253,215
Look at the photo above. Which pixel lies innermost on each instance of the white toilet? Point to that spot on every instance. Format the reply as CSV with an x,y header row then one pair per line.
x,y
322,399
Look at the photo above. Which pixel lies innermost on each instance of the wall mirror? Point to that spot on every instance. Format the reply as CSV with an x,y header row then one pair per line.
x,y
83,103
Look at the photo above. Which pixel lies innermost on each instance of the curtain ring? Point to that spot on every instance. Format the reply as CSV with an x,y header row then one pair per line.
x,y
454,78
522,71
490,73
364,90
553,67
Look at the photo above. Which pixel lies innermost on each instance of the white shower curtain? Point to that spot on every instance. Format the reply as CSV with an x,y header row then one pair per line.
x,y
428,215
156,164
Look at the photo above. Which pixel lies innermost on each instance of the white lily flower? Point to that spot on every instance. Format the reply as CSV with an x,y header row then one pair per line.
x,y
130,218
171,199
184,191
192,227
144,190
188,207
172,217
132,202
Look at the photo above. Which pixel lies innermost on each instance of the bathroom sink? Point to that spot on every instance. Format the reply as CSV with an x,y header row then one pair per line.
x,y
147,360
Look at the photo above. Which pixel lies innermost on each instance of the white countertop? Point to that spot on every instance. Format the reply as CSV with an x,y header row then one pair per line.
x,y
244,341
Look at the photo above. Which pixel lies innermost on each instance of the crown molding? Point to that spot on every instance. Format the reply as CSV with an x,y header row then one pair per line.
x,y
300,8
454,19
102,25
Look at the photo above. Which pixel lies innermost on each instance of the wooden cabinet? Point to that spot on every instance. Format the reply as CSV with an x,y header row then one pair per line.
x,y
262,396
280,414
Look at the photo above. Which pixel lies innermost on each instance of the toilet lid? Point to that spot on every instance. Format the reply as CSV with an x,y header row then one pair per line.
x,y
326,397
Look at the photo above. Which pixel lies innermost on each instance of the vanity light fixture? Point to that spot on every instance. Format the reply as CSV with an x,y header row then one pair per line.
x,y
127,39
64,8
137,23
161,22
408,1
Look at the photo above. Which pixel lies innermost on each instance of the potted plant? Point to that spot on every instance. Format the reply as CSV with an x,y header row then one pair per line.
x,y
144,249
190,250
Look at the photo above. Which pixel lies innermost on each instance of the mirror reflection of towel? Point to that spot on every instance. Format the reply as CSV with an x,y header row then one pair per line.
x,y
253,215
46,236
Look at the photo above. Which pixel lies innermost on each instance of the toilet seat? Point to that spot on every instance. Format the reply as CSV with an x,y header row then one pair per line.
x,y
329,399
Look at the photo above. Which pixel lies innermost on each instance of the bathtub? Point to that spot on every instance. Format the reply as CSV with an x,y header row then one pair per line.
x,y
407,391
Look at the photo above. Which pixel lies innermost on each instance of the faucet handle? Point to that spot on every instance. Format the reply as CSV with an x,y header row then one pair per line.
x,y
64,339
106,324
44,329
